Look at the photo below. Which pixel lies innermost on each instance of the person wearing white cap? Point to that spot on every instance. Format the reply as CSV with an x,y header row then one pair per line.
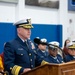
x,y
53,56
19,56
71,52
41,47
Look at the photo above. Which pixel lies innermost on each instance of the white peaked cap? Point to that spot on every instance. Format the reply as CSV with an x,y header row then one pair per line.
x,y
25,23
69,44
20,21
38,37
54,43
43,40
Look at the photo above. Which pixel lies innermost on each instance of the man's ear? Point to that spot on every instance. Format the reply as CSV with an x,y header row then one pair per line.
x,y
18,30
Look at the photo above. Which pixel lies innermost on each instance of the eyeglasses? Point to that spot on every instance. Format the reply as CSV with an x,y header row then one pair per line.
x,y
53,49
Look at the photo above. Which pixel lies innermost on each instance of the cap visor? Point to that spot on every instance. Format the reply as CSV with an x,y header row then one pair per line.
x,y
27,26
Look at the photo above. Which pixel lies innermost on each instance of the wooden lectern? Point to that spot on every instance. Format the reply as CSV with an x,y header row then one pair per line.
x,y
54,69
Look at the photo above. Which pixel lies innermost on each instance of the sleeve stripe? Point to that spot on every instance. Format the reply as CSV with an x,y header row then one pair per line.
x,y
44,62
13,69
16,70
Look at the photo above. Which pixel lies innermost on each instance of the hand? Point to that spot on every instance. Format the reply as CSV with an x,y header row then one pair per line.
x,y
1,72
26,70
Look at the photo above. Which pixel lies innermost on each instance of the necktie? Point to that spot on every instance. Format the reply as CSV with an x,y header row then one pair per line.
x,y
26,44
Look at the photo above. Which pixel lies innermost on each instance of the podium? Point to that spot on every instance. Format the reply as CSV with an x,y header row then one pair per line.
x,y
54,69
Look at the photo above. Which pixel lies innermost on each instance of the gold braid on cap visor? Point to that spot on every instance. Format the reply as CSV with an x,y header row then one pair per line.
x,y
72,46
26,26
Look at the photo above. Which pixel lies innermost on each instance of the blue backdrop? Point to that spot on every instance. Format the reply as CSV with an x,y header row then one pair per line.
x,y
50,32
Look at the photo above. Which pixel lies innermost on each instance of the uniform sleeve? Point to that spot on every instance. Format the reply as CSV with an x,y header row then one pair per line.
x,y
40,61
44,62
9,59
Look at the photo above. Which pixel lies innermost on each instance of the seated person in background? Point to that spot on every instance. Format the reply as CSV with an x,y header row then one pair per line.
x,y
71,52
53,56
65,49
41,47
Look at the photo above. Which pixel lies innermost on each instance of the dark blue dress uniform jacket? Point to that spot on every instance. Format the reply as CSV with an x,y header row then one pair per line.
x,y
50,59
68,58
18,53
42,54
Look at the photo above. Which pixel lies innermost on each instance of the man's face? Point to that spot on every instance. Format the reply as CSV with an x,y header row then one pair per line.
x,y
42,47
53,52
71,51
24,33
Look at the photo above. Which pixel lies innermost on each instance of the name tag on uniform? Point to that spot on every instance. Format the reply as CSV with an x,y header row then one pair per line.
x,y
20,49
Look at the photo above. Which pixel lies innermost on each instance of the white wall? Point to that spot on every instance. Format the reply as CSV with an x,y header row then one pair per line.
x,y
63,17
7,12
10,12
71,25
38,14
42,15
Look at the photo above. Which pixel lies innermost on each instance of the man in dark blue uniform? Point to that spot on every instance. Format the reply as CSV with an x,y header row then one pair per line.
x,y
53,56
71,52
19,56
41,47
